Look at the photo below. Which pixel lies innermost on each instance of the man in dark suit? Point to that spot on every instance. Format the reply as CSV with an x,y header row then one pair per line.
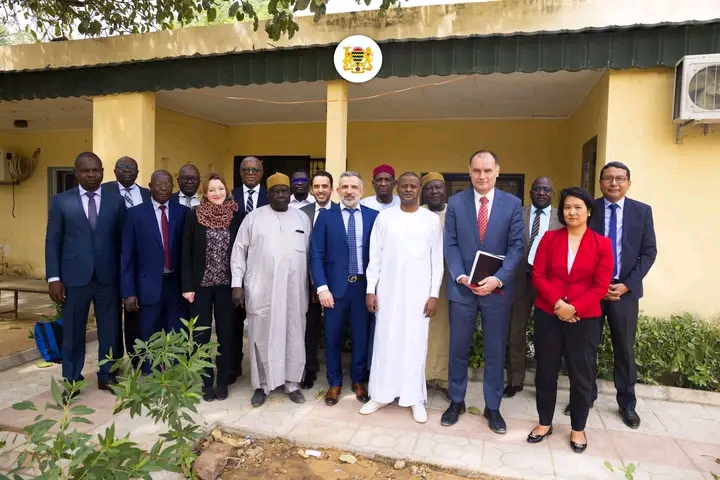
x,y
126,173
488,219
321,186
188,182
630,227
538,218
150,260
340,251
82,248
249,196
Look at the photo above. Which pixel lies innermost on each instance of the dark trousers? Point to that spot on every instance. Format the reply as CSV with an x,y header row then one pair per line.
x,y
75,313
370,344
622,317
217,300
495,317
237,343
131,329
578,343
525,295
164,315
312,336
352,306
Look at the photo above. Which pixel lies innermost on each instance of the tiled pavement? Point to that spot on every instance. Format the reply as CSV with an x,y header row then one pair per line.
x,y
675,441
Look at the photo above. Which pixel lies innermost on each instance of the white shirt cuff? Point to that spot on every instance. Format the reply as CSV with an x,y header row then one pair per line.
x,y
53,279
322,288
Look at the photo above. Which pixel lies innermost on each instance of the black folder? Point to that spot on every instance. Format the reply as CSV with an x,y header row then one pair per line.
x,y
485,265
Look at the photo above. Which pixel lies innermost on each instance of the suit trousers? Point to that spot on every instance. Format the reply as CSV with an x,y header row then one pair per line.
x,y
75,313
131,329
237,345
495,319
578,343
352,306
312,336
525,295
216,300
622,317
164,315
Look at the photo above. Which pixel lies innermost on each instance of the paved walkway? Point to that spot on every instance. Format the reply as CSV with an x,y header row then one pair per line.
x,y
673,443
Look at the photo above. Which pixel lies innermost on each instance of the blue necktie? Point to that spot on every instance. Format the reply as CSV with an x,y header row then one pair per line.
x,y
92,209
249,204
612,233
352,243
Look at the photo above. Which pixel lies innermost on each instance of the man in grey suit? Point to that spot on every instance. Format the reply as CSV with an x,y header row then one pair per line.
x,y
321,186
539,218
488,219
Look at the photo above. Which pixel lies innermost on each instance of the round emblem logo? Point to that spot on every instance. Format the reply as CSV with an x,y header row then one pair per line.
x,y
358,59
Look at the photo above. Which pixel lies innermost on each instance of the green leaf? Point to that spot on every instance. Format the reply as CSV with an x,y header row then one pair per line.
x,y
234,9
26,405
211,14
55,391
474,411
81,410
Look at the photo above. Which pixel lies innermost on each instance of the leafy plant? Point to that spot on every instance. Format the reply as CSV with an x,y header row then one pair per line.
x,y
628,470
166,395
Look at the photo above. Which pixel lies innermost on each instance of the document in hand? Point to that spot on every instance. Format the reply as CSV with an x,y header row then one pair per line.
x,y
485,265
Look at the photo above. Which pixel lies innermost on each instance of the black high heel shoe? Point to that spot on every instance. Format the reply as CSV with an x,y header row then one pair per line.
x,y
536,437
578,447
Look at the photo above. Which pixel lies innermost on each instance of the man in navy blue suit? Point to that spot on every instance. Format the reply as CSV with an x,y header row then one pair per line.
x,y
126,173
82,248
630,227
249,196
150,260
488,219
340,251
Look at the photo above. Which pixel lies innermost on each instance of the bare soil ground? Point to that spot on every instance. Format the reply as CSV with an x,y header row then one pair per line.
x,y
278,459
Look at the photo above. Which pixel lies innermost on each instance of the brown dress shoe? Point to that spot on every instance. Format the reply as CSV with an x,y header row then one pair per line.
x,y
332,395
361,392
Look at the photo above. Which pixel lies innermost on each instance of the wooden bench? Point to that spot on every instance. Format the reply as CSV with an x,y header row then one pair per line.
x,y
21,285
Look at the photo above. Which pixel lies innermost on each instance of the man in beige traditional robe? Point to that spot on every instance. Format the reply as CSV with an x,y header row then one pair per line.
x,y
436,365
269,266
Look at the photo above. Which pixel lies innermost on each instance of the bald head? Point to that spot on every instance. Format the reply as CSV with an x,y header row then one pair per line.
x,y
541,192
188,179
161,186
126,171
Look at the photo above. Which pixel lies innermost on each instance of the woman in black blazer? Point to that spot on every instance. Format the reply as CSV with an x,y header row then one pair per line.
x,y
208,237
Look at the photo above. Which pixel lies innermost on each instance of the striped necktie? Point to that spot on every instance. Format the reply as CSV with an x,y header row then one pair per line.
x,y
249,205
187,201
128,199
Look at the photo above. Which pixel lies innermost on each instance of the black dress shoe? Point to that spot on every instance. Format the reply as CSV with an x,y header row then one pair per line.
x,y
308,380
578,447
258,398
511,390
105,385
452,414
221,392
208,394
537,438
297,396
495,421
631,418
232,379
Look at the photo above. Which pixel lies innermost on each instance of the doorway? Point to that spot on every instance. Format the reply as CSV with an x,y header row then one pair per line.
x,y
589,163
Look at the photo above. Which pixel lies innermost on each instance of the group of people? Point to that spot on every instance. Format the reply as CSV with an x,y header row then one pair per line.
x,y
296,264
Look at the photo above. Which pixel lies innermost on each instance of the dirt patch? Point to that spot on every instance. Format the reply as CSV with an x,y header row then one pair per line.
x,y
276,458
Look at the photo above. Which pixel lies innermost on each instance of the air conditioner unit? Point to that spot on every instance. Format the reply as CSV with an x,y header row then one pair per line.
x,y
697,89
5,158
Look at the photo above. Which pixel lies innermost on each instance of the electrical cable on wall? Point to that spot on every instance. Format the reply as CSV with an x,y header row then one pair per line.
x,y
20,170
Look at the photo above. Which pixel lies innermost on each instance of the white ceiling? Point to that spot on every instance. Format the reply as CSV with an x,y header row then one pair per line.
x,y
515,95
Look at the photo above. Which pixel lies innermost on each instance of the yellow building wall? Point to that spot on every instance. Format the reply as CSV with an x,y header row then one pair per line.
x,y
588,121
678,181
532,147
22,238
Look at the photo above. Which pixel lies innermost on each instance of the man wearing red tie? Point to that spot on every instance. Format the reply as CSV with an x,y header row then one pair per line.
x,y
150,260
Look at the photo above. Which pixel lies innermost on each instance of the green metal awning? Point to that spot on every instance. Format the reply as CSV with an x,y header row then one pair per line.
x,y
547,52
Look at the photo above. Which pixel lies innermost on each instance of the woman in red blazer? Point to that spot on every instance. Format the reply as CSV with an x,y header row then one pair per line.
x,y
572,272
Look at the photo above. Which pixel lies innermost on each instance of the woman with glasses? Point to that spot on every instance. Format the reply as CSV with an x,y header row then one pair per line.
x,y
571,273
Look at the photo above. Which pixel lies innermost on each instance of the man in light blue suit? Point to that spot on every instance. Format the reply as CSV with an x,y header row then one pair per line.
x,y
488,219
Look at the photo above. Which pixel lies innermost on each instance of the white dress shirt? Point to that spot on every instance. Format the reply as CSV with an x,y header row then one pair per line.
x,y
246,194
294,202
544,225
134,191
619,231
194,200
158,213
372,202
358,238
85,200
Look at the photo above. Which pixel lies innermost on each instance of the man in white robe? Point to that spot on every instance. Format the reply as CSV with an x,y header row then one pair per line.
x,y
403,285
269,267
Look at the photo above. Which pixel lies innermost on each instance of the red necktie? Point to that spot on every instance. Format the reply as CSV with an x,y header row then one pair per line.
x,y
165,238
482,217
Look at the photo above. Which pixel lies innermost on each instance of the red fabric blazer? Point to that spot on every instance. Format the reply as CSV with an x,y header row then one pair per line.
x,y
588,280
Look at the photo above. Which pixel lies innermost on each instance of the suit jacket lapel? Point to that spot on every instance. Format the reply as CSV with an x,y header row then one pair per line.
x,y
154,226
81,210
341,224
173,221
526,229
471,215
627,226
494,212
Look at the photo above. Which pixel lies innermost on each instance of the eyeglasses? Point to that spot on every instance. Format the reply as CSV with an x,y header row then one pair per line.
x,y
538,189
126,167
251,170
299,181
618,180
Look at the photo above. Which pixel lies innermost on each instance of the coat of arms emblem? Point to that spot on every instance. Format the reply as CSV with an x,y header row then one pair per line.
x,y
358,59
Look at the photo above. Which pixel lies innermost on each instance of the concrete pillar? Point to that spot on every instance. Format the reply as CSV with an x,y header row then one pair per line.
x,y
336,129
124,125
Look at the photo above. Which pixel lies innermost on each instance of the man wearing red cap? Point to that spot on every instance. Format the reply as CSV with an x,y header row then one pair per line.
x,y
384,184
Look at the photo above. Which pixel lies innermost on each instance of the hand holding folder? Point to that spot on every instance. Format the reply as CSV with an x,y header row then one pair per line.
x,y
485,265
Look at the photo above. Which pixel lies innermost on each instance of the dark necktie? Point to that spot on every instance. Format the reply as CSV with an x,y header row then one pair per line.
x,y
187,201
165,238
352,243
249,205
535,227
128,199
92,209
612,233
